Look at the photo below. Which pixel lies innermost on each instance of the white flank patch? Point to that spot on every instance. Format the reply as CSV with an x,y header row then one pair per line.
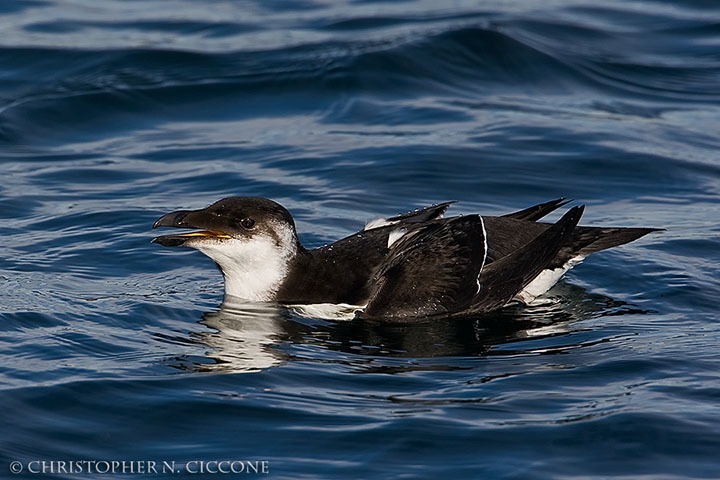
x,y
253,268
327,311
379,222
545,281
396,235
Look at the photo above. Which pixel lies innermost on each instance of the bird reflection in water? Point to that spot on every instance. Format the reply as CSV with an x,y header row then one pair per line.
x,y
250,337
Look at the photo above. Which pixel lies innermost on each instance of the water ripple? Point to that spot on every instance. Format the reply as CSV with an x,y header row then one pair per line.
x,y
114,113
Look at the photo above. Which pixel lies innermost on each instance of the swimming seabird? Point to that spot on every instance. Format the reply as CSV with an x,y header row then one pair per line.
x,y
417,264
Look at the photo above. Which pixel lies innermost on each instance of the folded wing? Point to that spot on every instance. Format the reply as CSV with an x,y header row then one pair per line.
x,y
442,268
431,270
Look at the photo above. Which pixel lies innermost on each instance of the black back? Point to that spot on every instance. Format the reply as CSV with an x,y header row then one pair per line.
x,y
444,267
430,271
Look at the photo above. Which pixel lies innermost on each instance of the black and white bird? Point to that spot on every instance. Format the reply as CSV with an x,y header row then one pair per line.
x,y
417,264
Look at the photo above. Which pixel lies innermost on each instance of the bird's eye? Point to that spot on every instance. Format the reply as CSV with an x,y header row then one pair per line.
x,y
247,223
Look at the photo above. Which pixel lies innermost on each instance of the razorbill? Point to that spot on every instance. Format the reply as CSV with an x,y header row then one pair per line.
x,y
416,264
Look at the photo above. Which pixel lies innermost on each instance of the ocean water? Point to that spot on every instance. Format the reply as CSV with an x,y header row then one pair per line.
x,y
114,112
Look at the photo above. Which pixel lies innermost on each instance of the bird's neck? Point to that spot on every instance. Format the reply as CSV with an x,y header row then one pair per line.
x,y
255,271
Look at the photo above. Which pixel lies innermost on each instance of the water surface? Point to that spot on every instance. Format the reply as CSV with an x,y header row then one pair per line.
x,y
115,112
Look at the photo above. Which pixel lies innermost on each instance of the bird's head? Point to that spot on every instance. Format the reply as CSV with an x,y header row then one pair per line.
x,y
251,239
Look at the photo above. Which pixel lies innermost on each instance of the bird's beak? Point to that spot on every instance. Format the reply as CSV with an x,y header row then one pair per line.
x,y
184,219
174,219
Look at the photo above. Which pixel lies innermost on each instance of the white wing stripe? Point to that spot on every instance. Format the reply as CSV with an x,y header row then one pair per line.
x,y
485,252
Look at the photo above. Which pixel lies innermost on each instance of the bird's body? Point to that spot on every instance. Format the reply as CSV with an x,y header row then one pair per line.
x,y
413,265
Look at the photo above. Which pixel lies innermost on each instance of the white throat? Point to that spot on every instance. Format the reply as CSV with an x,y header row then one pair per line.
x,y
253,268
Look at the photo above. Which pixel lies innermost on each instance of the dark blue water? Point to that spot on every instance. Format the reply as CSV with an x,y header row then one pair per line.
x,y
114,112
